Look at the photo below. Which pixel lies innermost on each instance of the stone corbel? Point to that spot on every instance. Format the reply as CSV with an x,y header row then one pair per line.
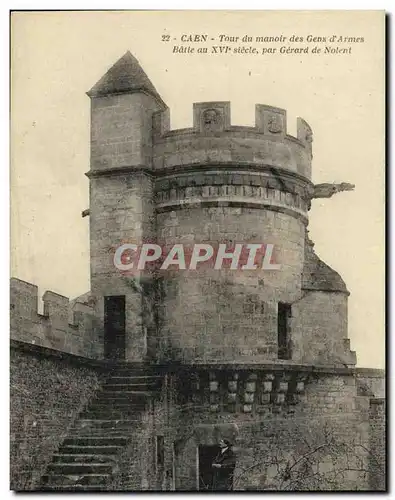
x,y
249,392
214,395
232,389
267,388
281,389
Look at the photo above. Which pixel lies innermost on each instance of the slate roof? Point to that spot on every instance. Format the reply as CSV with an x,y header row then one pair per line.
x,y
126,75
319,276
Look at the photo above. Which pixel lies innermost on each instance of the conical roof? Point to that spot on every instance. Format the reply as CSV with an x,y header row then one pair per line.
x,y
319,276
125,76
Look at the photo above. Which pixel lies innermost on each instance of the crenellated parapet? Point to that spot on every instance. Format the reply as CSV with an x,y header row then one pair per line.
x,y
213,139
65,326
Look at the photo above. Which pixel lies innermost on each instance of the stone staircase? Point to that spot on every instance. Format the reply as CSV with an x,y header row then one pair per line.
x,y
87,458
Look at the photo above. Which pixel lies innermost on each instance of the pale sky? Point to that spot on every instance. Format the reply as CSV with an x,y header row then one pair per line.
x,y
57,57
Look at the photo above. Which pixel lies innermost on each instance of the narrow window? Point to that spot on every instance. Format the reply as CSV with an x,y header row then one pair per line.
x,y
283,315
159,461
160,451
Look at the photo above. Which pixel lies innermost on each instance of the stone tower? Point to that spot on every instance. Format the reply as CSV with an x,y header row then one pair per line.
x,y
212,183
173,362
123,103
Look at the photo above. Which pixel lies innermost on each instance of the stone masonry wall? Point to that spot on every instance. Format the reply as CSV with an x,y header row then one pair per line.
x,y
54,328
121,212
229,315
121,130
139,466
121,206
377,444
319,329
47,394
320,444
266,143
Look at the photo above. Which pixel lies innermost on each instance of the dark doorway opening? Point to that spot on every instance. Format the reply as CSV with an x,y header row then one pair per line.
x,y
114,327
207,454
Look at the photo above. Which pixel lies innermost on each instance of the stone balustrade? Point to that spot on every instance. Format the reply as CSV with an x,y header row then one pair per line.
x,y
242,390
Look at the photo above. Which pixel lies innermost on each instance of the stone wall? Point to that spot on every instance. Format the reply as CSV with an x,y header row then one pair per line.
x,y
213,139
220,315
319,329
294,427
121,130
377,444
371,382
140,468
121,205
63,326
47,392
321,443
121,211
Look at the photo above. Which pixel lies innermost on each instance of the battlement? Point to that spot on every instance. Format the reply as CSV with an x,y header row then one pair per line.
x,y
214,139
215,116
64,325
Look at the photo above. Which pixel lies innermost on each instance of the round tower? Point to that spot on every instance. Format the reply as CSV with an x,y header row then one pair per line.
x,y
217,183
211,184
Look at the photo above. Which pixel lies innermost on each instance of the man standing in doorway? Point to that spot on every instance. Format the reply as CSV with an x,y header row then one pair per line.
x,y
224,465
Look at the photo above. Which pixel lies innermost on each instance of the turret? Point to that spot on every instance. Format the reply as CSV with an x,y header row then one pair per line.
x,y
218,183
121,199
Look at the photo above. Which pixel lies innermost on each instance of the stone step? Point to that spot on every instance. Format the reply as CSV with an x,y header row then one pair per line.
x,y
77,487
96,441
119,405
89,450
69,458
117,411
133,396
106,424
128,388
107,432
102,433
75,479
108,413
132,399
132,370
124,379
130,375
113,399
79,468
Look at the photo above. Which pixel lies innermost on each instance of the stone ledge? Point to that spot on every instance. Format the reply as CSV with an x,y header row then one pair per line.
x,y
176,205
377,401
99,364
174,367
253,132
262,192
275,367
200,167
370,372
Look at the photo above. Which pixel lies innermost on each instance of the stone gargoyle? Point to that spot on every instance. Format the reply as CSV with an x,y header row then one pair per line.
x,y
327,190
